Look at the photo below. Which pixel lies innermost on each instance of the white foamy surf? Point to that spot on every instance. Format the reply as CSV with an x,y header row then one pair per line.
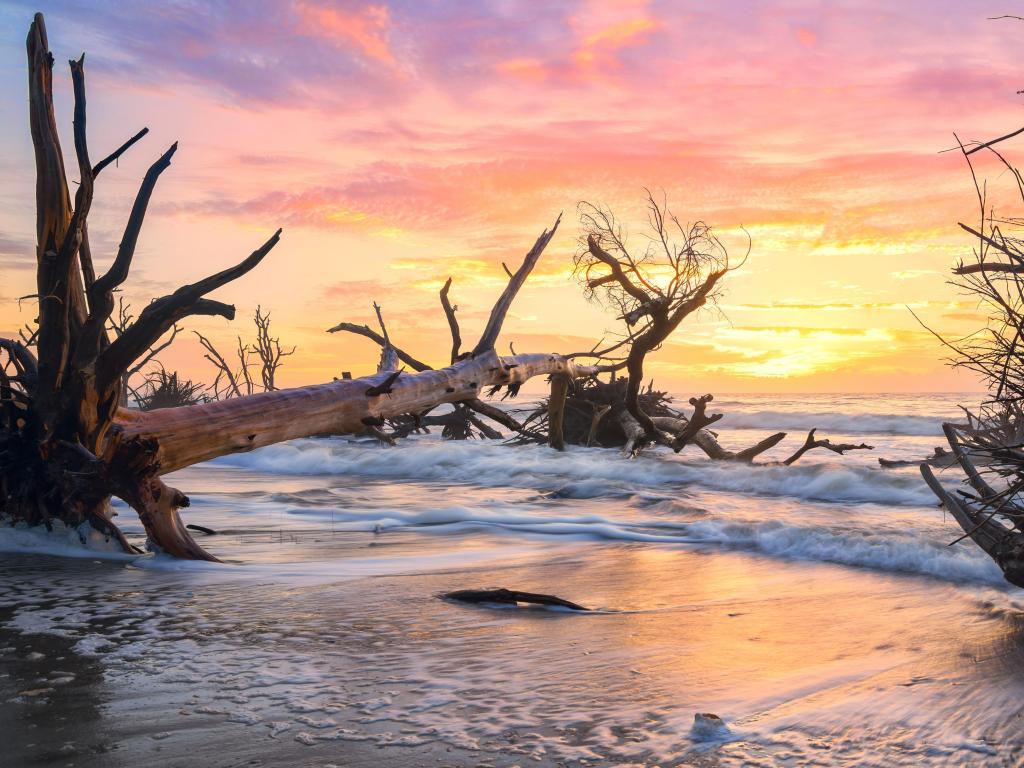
x,y
825,421
589,471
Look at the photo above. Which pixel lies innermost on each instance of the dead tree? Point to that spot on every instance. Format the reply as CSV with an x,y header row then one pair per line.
x,y
237,382
268,350
989,444
653,287
66,444
594,414
461,423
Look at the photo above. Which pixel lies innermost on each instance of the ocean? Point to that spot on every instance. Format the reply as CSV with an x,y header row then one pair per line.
x,y
819,609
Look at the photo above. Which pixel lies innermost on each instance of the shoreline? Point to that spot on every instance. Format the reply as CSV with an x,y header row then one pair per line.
x,y
378,671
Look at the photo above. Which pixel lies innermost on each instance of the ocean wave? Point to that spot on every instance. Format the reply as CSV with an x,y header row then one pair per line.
x,y
902,552
878,547
582,473
843,423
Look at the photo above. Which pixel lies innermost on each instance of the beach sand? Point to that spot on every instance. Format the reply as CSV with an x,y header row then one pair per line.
x,y
805,662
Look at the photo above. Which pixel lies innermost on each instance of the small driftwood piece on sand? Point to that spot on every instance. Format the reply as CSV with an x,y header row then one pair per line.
x,y
509,597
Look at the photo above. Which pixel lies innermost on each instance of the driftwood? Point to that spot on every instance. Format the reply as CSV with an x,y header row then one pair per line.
x,y
690,261
812,443
556,411
594,413
940,459
66,443
708,442
989,447
509,597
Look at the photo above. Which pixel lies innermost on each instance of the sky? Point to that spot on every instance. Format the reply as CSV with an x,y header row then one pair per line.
x,y
401,143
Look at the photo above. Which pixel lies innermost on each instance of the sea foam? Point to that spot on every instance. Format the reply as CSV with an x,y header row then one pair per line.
x,y
587,472
842,423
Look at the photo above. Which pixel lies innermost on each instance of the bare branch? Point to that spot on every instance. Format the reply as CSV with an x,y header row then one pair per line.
x,y
158,317
113,156
221,364
810,443
367,332
101,292
453,323
504,302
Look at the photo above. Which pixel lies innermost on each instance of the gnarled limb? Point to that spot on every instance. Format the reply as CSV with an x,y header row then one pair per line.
x,y
811,442
1002,544
973,476
490,335
453,323
22,357
708,443
101,292
495,414
376,338
116,154
159,316
618,274
158,505
698,420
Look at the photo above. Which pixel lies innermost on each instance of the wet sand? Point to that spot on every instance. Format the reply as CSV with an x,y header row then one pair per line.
x,y
807,664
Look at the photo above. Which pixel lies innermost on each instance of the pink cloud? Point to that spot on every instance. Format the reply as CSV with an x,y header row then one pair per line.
x,y
367,28
807,37
595,56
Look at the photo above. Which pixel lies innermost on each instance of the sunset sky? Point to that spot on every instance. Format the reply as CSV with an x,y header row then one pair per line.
x,y
399,144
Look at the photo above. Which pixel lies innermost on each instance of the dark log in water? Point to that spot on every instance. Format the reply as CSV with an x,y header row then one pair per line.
x,y
509,597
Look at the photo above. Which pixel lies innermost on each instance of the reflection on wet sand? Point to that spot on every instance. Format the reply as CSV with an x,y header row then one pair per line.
x,y
797,659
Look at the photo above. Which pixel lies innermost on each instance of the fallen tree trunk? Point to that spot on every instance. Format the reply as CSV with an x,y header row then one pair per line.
x,y
1002,544
201,432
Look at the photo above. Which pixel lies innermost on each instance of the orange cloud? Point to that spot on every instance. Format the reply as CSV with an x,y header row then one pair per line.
x,y
807,37
366,29
594,55
619,35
